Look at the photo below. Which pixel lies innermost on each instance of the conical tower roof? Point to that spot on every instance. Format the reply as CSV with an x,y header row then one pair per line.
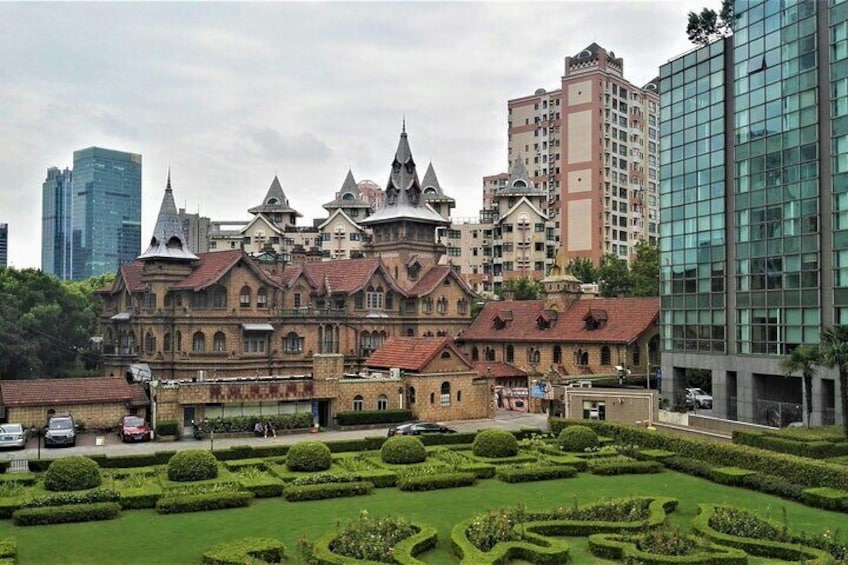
x,y
348,196
275,201
519,181
432,189
169,240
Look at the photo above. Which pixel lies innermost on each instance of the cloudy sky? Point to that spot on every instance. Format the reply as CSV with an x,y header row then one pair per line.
x,y
229,94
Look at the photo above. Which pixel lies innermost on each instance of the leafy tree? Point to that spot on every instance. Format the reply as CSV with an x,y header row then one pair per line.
x,y
614,277
708,25
522,288
833,352
804,360
645,270
583,269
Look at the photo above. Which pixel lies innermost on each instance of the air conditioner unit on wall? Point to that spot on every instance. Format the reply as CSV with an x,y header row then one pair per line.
x,y
394,373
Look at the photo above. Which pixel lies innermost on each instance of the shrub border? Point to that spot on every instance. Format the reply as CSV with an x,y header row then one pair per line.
x,y
245,550
623,548
404,551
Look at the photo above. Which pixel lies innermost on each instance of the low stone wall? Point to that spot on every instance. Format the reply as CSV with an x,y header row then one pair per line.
x,y
673,418
723,427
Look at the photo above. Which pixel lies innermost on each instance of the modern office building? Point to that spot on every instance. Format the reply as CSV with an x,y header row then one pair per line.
x,y
106,211
56,223
4,245
754,199
592,145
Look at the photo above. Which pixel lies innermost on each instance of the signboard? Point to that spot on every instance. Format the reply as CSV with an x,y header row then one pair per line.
x,y
541,390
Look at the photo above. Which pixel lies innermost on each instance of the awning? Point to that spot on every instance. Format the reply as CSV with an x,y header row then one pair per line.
x,y
257,327
121,317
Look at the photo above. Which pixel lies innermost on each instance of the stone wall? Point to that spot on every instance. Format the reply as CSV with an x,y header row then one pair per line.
x,y
92,416
621,405
470,398
370,390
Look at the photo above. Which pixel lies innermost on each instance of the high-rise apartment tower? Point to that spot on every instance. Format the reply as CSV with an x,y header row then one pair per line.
x,y
56,223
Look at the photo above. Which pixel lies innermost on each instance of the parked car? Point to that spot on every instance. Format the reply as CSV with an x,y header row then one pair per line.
x,y
133,428
418,428
60,431
697,398
13,435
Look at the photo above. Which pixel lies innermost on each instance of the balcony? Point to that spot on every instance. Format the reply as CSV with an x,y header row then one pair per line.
x,y
308,312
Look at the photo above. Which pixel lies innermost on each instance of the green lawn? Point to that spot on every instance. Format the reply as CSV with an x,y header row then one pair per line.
x,y
143,536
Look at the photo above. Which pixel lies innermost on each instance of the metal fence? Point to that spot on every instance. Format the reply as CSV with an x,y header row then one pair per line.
x,y
776,414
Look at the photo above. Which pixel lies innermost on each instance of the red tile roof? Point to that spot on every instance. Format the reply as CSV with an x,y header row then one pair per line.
x,y
434,277
627,319
412,353
63,392
498,369
214,265
346,276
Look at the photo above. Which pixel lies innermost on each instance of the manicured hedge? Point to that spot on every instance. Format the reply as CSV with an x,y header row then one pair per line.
x,y
732,476
804,471
365,417
439,481
403,553
327,490
25,479
246,550
192,465
689,465
348,445
495,444
577,438
242,424
828,498
130,461
777,486
815,449
65,514
403,450
623,548
8,551
137,500
309,456
78,497
72,473
167,428
534,472
201,502
626,468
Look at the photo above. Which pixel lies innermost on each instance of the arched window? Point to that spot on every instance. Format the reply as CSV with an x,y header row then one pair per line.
x,y
382,402
432,398
490,354
219,342
365,344
358,403
459,396
328,338
462,306
178,341
410,332
149,343
293,343
374,298
533,355
166,342
262,298
445,355
557,354
244,297
581,357
198,342
410,395
198,300
605,355
475,353
219,297
442,305
445,393
510,353
427,305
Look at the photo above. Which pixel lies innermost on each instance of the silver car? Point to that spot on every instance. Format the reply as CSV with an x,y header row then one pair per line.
x,y
13,435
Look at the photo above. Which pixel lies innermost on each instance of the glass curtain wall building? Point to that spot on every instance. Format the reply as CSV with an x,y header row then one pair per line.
x,y
754,199
56,223
106,211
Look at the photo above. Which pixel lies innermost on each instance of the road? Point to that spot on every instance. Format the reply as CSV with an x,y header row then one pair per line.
x,y
87,443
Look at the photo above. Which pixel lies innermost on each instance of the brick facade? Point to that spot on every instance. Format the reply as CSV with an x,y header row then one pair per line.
x,y
92,416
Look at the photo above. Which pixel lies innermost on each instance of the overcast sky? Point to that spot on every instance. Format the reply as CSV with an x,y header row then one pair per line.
x,y
229,94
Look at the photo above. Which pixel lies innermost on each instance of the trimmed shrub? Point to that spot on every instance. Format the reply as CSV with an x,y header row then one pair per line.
x,y
309,456
770,484
192,465
435,482
367,539
67,498
403,450
577,438
348,445
167,428
627,549
65,514
245,424
202,502
245,550
732,476
8,551
327,490
812,447
365,417
72,473
495,444
828,498
140,460
689,466
534,472
626,468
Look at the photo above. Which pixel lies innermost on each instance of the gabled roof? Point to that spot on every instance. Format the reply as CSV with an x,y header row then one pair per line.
x,y
169,240
434,277
262,218
214,265
347,276
516,206
498,369
129,277
275,201
339,212
627,319
412,353
63,392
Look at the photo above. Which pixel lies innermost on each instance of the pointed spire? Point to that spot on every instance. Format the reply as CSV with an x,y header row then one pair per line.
x,y
169,240
403,129
349,185
275,201
431,180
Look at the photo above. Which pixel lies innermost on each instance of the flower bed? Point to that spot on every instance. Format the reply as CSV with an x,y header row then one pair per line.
x,y
245,550
687,549
256,479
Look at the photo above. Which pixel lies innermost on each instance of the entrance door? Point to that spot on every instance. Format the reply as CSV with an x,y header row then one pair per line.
x,y
323,413
188,420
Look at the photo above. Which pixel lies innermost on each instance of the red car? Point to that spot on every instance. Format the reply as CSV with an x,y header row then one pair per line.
x,y
133,428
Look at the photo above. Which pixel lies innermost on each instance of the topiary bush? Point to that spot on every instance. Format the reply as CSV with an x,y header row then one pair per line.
x,y
309,456
495,444
402,450
192,465
72,473
577,438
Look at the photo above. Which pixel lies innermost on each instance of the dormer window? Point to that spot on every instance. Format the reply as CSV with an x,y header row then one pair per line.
x,y
502,319
546,319
595,319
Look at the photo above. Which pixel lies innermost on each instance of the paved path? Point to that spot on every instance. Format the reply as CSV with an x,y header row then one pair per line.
x,y
113,446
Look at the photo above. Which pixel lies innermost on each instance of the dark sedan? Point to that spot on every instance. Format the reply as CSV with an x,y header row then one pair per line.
x,y
133,428
418,428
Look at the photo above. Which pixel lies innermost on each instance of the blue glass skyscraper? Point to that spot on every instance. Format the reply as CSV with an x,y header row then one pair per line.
x,y
56,223
106,211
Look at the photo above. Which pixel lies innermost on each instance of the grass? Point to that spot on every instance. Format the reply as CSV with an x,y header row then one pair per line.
x,y
142,536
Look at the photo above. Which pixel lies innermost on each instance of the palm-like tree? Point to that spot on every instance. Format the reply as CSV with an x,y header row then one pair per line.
x,y
833,351
804,360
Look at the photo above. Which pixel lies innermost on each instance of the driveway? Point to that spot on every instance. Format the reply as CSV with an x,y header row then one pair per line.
x,y
87,444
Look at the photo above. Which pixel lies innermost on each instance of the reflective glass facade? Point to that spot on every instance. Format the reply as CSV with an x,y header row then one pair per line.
x,y
838,98
56,223
106,217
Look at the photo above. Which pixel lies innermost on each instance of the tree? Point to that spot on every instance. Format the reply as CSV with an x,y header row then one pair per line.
x,y
522,288
583,269
614,277
803,359
833,351
707,26
645,270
